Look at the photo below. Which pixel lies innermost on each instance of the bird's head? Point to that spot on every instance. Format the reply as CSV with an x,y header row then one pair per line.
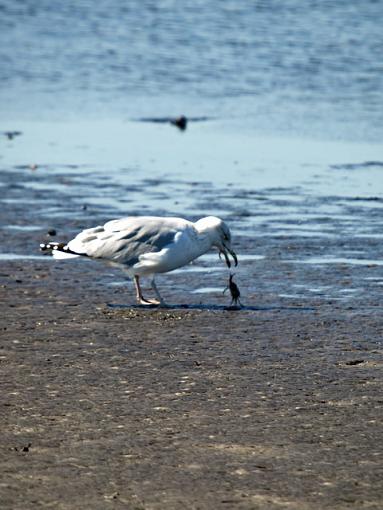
x,y
220,236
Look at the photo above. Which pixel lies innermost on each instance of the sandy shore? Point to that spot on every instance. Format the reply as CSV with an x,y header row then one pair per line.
x,y
108,405
111,406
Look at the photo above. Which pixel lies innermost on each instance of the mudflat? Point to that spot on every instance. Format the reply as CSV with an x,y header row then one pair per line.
x,y
109,405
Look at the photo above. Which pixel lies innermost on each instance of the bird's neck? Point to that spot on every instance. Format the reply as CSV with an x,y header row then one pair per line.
x,y
206,233
205,242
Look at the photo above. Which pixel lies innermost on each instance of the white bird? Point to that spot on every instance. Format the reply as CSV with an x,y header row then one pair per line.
x,y
147,245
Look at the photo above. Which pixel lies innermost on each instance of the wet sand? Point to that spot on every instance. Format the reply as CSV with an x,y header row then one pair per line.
x,y
106,404
113,406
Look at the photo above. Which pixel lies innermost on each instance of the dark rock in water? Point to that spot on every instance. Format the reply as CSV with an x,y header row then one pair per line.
x,y
181,122
52,232
11,134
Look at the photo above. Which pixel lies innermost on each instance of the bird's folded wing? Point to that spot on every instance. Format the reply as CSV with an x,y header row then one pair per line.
x,y
125,239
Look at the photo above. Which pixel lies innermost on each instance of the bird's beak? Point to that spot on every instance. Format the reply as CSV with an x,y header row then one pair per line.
x,y
224,251
232,253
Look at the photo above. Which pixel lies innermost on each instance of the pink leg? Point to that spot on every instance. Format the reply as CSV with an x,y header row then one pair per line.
x,y
140,298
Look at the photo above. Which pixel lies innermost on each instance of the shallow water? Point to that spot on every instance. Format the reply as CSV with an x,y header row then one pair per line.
x,y
22,256
275,67
340,260
290,212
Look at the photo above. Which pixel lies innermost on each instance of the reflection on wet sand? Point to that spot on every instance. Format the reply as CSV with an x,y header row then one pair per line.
x,y
296,221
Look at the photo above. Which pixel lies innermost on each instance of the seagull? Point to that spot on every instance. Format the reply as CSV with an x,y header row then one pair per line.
x,y
147,245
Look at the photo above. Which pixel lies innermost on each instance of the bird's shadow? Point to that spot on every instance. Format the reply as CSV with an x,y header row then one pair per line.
x,y
205,307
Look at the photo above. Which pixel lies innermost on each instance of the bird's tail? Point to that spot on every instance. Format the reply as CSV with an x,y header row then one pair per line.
x,y
60,250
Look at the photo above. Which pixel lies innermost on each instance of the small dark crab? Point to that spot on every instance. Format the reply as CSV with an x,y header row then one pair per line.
x,y
234,291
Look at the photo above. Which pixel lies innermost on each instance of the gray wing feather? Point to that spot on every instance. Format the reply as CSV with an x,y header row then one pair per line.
x,y
124,240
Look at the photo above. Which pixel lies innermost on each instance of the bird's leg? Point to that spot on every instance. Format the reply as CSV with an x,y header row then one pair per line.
x,y
140,298
161,302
